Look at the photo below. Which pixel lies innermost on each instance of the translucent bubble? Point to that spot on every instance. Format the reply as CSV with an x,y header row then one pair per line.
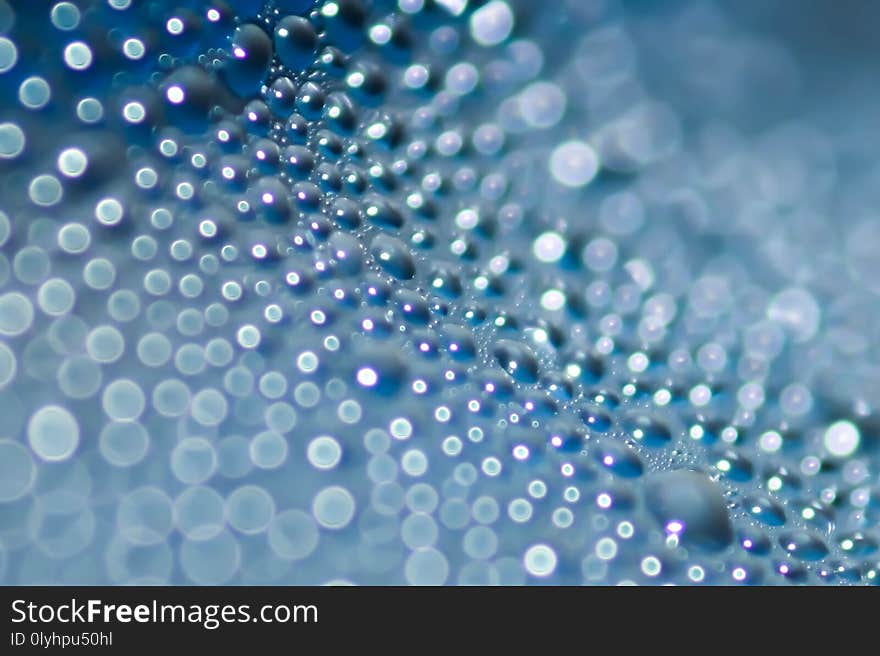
x,y
105,344
53,433
8,55
273,385
199,513
419,531
307,394
123,444
8,365
16,314
250,509
324,452
123,305
157,282
99,273
414,462
600,254
45,190
74,238
691,501
520,510
333,507
209,407
108,211
79,377
210,562
145,516
171,398
12,140
574,163
193,460
542,104
34,93
55,297
293,535
17,471
78,56
268,450
426,567
492,23
65,16
123,400
540,560
233,454
154,349
480,542
797,311
89,110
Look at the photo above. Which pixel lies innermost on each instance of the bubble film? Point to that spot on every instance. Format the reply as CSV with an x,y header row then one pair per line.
x,y
437,292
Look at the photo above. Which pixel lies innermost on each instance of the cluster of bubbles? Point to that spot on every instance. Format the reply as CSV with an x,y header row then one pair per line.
x,y
342,291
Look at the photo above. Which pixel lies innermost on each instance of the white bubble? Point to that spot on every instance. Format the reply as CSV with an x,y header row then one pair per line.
x,y
72,162
324,452
367,377
651,566
549,247
53,433
574,163
540,560
492,23
133,48
134,112
108,211
842,439
78,56
552,300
